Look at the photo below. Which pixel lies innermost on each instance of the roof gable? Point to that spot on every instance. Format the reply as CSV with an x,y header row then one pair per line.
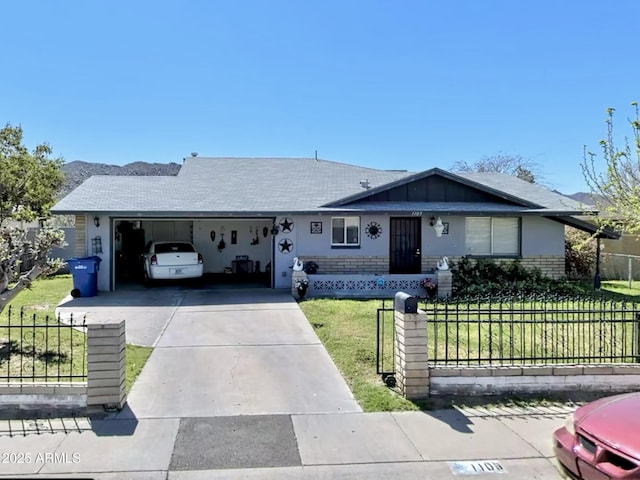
x,y
434,188
433,185
437,185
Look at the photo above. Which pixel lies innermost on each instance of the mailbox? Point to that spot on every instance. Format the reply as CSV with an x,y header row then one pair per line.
x,y
405,303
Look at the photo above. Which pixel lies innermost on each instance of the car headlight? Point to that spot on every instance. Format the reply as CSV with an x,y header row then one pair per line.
x,y
569,424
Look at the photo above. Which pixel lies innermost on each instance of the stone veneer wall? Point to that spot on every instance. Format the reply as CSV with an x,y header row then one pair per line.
x,y
350,264
494,380
551,265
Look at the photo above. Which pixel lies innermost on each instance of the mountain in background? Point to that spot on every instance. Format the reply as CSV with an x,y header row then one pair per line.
x,y
587,198
77,171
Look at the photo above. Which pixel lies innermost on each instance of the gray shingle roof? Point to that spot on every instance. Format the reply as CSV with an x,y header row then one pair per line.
x,y
216,186
530,192
227,185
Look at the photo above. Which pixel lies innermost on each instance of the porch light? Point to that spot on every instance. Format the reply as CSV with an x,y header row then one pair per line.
x,y
96,221
439,227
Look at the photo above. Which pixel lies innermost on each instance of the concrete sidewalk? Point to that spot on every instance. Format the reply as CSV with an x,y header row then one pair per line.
x,y
400,445
239,386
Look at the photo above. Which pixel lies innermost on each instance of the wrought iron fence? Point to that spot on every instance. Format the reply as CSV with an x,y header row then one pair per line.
x,y
532,330
42,349
385,342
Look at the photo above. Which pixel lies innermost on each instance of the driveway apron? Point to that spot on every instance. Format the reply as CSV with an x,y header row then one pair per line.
x,y
242,352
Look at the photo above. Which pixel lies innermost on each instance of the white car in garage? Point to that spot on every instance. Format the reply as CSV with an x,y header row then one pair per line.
x,y
172,261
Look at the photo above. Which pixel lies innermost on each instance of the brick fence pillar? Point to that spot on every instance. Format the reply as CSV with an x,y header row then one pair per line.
x,y
445,283
411,360
106,365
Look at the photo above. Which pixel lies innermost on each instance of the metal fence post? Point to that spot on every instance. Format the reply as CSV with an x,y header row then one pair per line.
x,y
637,337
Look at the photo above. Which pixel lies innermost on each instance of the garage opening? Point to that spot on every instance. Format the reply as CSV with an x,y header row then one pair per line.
x,y
235,251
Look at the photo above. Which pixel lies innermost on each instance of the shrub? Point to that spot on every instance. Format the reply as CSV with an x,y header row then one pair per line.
x,y
484,276
579,253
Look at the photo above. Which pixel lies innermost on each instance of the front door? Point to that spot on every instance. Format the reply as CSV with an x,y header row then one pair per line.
x,y
405,244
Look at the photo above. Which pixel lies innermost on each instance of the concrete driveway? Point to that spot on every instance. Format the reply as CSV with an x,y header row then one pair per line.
x,y
239,387
146,311
222,352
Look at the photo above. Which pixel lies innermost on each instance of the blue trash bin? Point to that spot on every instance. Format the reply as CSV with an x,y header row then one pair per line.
x,y
85,276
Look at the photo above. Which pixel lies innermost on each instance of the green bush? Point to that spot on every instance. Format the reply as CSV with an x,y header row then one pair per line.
x,y
484,276
579,253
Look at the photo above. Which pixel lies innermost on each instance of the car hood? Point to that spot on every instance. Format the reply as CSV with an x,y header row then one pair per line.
x,y
614,421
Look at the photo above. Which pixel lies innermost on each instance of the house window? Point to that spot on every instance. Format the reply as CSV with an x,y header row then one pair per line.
x,y
345,231
492,236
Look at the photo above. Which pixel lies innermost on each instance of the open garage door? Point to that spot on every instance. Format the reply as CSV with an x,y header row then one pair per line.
x,y
235,251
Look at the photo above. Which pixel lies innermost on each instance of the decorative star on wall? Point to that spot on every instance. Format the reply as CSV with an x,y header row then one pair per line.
x,y
285,245
286,224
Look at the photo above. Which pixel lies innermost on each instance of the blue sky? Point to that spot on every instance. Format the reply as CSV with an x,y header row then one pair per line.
x,y
410,85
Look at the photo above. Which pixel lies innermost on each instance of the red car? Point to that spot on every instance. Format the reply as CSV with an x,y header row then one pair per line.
x,y
601,440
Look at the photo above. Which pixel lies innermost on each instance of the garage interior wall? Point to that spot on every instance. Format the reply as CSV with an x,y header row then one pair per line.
x,y
250,242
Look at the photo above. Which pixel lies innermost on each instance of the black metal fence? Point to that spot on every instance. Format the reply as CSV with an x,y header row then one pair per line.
x,y
42,349
532,330
385,344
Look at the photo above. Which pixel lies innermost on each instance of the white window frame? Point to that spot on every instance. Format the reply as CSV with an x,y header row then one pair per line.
x,y
346,225
491,236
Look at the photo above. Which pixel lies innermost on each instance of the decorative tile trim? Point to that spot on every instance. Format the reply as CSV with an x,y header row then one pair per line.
x,y
361,286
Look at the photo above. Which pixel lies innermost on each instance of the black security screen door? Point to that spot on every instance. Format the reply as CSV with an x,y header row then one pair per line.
x,y
405,242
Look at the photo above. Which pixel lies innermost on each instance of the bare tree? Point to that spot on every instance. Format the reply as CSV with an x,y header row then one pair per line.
x,y
511,164
619,184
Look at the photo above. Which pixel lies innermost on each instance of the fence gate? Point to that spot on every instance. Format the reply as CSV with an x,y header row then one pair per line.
x,y
385,346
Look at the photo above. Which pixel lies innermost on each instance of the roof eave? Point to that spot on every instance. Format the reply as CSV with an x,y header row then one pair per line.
x,y
605,232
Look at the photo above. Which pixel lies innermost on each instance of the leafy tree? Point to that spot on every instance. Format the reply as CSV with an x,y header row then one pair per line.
x,y
618,186
516,165
29,182
579,253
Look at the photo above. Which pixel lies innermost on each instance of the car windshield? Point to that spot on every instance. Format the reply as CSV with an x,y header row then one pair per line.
x,y
173,247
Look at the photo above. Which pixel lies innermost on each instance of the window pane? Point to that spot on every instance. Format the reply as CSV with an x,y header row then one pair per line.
x,y
353,230
337,230
352,235
478,235
506,236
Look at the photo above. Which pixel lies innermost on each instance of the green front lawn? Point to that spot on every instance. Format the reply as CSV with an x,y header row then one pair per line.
x,y
347,328
60,351
620,289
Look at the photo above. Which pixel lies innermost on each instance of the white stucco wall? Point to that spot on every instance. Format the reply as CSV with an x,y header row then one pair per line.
x,y
282,261
215,261
103,231
451,244
320,244
541,236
